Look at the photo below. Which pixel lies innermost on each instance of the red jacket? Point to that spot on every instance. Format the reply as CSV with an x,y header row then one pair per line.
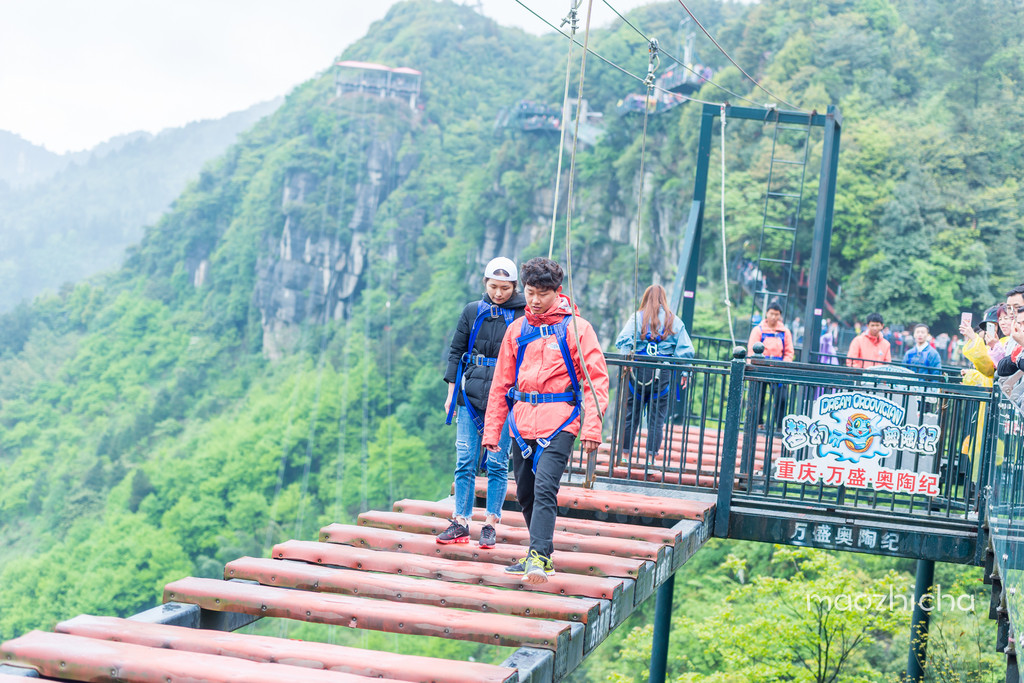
x,y
543,370
773,346
869,349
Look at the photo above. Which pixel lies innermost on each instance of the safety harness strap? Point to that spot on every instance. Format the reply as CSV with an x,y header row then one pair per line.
x,y
529,333
484,310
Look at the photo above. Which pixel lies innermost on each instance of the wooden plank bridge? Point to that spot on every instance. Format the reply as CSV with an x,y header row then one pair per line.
x,y
613,548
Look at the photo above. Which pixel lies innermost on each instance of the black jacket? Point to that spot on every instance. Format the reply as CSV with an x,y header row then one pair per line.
x,y
477,378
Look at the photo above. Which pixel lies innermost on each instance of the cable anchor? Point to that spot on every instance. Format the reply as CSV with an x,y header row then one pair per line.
x,y
653,61
572,18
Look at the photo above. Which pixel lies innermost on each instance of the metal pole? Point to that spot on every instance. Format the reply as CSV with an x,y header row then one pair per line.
x,y
822,235
685,286
662,626
919,622
727,473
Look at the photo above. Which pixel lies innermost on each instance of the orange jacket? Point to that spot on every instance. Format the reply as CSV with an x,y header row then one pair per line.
x,y
544,371
865,347
773,346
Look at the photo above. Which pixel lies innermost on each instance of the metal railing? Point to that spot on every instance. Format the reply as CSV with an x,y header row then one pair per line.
x,y
1006,514
658,428
928,460
759,428
718,348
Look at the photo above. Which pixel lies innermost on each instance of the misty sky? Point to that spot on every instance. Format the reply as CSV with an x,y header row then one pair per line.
x,y
77,73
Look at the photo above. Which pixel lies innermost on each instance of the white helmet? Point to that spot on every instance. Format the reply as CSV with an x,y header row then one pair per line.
x,y
507,265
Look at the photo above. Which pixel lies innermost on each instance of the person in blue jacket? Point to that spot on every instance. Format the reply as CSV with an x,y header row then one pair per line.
x,y
654,330
921,357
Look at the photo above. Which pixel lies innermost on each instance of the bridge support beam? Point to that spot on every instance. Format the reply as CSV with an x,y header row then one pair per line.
x,y
919,622
662,627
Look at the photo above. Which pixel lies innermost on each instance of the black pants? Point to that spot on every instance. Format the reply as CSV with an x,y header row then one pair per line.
x,y
778,394
651,389
538,492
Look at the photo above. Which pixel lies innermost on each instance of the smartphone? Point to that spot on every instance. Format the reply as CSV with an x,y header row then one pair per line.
x,y
965,318
990,327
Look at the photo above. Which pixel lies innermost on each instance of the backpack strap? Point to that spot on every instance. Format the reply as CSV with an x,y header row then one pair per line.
x,y
484,310
529,333
780,335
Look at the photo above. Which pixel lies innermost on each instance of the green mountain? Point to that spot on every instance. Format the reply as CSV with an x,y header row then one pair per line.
x,y
66,217
269,358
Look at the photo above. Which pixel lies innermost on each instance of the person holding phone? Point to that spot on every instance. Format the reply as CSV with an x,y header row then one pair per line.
x,y
979,345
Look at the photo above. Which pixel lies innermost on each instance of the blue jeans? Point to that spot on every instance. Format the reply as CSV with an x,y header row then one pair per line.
x,y
467,450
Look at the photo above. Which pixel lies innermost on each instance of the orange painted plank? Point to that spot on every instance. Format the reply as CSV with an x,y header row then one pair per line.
x,y
86,659
482,573
618,502
401,588
425,524
504,554
375,615
281,651
589,527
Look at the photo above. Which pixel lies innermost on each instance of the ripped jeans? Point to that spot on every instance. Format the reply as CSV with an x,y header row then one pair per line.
x,y
467,450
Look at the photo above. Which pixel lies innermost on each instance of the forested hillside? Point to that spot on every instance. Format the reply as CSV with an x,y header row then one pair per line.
x,y
66,217
269,358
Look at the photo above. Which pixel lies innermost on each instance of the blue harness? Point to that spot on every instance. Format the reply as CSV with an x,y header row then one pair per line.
x,y
650,349
528,333
484,310
780,335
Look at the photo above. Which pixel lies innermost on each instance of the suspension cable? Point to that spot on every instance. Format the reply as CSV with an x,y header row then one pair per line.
x,y
677,60
572,18
568,225
613,64
652,64
725,267
733,61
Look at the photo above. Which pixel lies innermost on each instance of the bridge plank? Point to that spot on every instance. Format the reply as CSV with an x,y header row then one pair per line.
x,y
421,544
425,524
588,527
376,615
283,651
617,502
400,588
86,659
619,592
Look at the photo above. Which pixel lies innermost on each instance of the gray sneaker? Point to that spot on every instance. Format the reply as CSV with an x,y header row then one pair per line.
x,y
488,537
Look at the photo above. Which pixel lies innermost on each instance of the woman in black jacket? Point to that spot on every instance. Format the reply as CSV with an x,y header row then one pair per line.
x,y
471,360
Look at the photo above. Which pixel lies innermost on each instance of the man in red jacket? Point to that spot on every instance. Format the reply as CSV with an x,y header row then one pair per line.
x,y
539,373
871,348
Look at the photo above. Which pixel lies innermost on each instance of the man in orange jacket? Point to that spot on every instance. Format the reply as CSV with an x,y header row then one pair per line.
x,y
870,348
540,374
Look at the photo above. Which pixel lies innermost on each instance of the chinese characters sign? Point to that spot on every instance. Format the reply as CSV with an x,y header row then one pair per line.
x,y
852,434
844,537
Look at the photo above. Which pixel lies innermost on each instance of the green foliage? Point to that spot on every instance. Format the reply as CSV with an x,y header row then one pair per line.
x,y
144,435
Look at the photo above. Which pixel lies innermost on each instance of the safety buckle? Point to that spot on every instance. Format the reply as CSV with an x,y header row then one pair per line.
x,y
652,349
545,330
467,357
495,311
534,398
543,443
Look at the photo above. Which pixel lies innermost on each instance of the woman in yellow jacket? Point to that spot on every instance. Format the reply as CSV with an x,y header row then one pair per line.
x,y
978,351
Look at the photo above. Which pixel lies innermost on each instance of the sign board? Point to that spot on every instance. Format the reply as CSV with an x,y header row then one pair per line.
x,y
852,434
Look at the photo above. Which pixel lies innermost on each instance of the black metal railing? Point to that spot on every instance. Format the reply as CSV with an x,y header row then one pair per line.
x,y
927,462
750,424
1006,509
664,422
